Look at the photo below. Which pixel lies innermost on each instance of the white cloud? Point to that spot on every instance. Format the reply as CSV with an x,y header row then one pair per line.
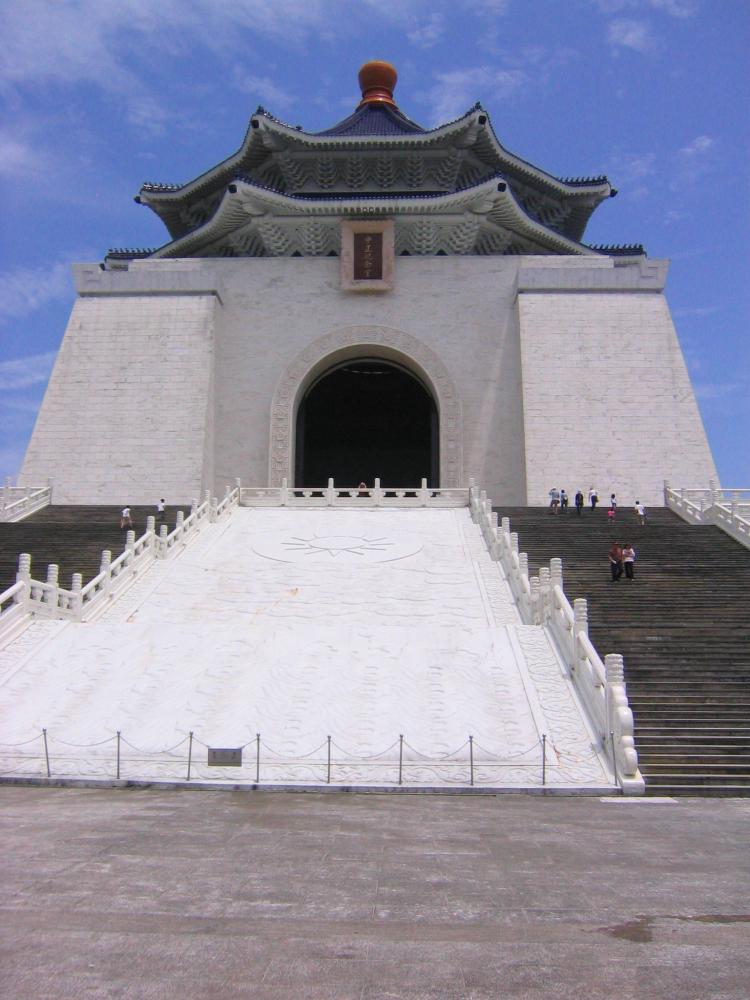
x,y
675,8
263,89
630,34
26,289
148,115
429,33
630,171
700,145
22,373
455,91
16,155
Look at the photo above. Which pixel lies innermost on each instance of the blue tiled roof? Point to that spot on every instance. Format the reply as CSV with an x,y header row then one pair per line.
x,y
375,119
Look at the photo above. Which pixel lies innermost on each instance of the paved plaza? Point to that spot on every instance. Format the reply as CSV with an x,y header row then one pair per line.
x,y
151,894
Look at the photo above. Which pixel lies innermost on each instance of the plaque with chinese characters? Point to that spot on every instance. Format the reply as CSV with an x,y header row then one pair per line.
x,y
368,256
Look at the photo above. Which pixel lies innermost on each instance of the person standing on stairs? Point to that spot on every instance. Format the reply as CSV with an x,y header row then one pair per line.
x,y
593,497
628,559
126,520
640,512
579,502
615,561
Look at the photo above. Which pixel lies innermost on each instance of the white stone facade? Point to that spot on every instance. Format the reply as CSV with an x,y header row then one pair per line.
x,y
177,376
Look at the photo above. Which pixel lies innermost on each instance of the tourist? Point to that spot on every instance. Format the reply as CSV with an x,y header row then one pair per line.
x,y
628,559
554,500
611,515
363,489
640,512
125,519
160,510
579,502
615,561
563,501
593,497
613,501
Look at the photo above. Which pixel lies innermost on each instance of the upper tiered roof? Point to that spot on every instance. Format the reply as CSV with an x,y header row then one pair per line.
x,y
451,189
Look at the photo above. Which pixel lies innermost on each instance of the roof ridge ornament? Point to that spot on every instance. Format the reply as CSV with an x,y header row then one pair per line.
x,y
377,80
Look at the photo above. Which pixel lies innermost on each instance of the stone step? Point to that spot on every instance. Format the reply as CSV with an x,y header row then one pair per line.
x,y
722,790
682,627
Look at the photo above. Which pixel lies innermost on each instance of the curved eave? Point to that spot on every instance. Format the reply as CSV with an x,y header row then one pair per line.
x,y
491,199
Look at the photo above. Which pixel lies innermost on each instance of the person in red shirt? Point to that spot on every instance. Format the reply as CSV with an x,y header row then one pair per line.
x,y
615,561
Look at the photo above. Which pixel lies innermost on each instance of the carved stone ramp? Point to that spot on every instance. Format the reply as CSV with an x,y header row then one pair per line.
x,y
391,631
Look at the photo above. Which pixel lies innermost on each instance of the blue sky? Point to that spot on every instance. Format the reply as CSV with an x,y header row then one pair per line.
x,y
101,95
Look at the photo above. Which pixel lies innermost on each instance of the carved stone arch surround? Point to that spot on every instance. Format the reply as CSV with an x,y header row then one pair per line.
x,y
352,342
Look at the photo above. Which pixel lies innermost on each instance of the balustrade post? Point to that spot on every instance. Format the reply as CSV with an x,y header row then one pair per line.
x,y
130,540
151,532
105,566
523,563
207,496
667,490
213,514
536,601
180,522
76,604
194,505
614,671
284,492
423,495
544,593
52,592
24,568
50,487
330,494
162,541
377,492
556,573
24,576
514,542
715,491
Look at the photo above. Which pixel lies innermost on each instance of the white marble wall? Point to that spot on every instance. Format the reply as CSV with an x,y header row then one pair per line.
x,y
126,413
167,372
607,397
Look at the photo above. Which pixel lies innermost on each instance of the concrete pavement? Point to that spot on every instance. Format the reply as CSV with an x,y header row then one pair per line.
x,y
212,895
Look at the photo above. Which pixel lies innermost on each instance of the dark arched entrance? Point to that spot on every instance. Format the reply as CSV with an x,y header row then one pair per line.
x,y
365,419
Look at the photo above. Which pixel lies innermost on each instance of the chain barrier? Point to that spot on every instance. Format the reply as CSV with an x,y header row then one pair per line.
x,y
476,763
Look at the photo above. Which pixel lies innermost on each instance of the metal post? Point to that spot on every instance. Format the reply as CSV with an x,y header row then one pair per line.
x,y
190,753
544,758
328,776
257,758
614,755
118,753
471,760
46,751
400,757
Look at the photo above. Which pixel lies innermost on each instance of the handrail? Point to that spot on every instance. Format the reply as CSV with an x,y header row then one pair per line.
x,y
18,502
541,600
726,509
331,495
46,598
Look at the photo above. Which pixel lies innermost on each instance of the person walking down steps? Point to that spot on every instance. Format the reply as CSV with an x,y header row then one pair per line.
x,y
593,497
126,521
579,503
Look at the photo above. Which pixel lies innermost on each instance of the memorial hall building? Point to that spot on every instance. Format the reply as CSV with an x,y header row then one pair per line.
x,y
376,300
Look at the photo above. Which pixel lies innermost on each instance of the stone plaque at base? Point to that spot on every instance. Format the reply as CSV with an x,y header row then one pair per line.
x,y
367,255
230,757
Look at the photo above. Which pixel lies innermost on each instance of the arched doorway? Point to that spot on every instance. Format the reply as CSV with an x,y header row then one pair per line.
x,y
366,418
